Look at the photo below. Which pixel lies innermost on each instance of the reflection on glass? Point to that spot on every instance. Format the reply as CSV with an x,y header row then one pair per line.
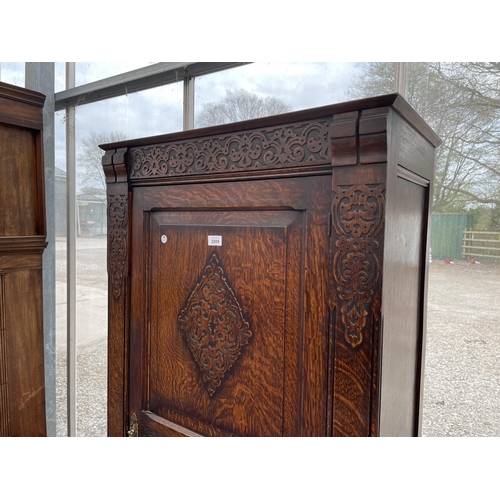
x,y
140,114
151,112
263,89
460,101
91,321
13,73
59,77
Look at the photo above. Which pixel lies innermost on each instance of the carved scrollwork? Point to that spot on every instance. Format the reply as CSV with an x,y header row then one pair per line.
x,y
213,325
358,215
300,143
117,241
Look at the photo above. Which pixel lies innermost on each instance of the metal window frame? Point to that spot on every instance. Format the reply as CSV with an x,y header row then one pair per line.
x,y
401,78
71,257
145,78
39,76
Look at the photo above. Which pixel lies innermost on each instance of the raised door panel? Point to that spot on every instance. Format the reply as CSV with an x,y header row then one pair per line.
x,y
223,346
22,342
19,186
218,324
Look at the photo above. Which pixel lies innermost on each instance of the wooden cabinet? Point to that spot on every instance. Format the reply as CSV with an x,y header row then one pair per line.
x,y
268,278
22,241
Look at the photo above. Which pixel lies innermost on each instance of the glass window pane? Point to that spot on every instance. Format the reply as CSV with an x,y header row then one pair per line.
x,y
91,317
87,72
152,112
140,114
461,102
60,77
263,89
13,73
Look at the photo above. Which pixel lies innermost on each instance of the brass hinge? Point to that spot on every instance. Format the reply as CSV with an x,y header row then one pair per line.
x,y
133,430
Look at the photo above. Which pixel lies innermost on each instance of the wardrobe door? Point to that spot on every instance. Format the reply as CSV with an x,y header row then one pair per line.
x,y
219,333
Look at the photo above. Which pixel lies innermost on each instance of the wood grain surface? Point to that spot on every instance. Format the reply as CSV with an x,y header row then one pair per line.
x,y
22,242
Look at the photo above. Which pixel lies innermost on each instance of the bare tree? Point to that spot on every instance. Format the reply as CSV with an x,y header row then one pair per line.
x,y
479,81
461,102
239,105
89,160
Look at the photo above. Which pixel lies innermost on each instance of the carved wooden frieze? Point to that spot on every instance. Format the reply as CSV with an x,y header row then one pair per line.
x,y
358,218
117,241
305,143
213,325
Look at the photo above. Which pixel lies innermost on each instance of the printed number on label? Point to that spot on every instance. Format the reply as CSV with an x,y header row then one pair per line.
x,y
215,241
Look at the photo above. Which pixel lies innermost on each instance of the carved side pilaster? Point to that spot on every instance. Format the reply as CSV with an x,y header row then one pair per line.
x,y
114,166
358,221
359,161
117,241
116,178
358,217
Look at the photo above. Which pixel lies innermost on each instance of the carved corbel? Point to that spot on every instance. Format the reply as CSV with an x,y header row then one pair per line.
x,y
115,170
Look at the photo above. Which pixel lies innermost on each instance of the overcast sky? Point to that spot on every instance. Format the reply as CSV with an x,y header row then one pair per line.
x,y
159,110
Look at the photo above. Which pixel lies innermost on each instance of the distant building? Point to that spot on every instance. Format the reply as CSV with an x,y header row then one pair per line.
x,y
90,214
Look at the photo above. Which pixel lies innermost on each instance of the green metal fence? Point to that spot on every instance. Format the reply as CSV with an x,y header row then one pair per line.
x,y
447,233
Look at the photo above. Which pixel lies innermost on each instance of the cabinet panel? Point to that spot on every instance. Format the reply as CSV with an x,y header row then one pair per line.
x,y
22,242
19,182
224,332
402,354
24,346
228,370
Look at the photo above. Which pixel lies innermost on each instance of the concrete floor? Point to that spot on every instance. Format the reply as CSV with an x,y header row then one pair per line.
x,y
91,340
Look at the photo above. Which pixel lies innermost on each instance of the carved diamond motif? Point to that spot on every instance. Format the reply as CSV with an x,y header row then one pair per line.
x,y
213,325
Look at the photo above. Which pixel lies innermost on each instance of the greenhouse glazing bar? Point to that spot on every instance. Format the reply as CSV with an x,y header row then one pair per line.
x,y
137,80
71,254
